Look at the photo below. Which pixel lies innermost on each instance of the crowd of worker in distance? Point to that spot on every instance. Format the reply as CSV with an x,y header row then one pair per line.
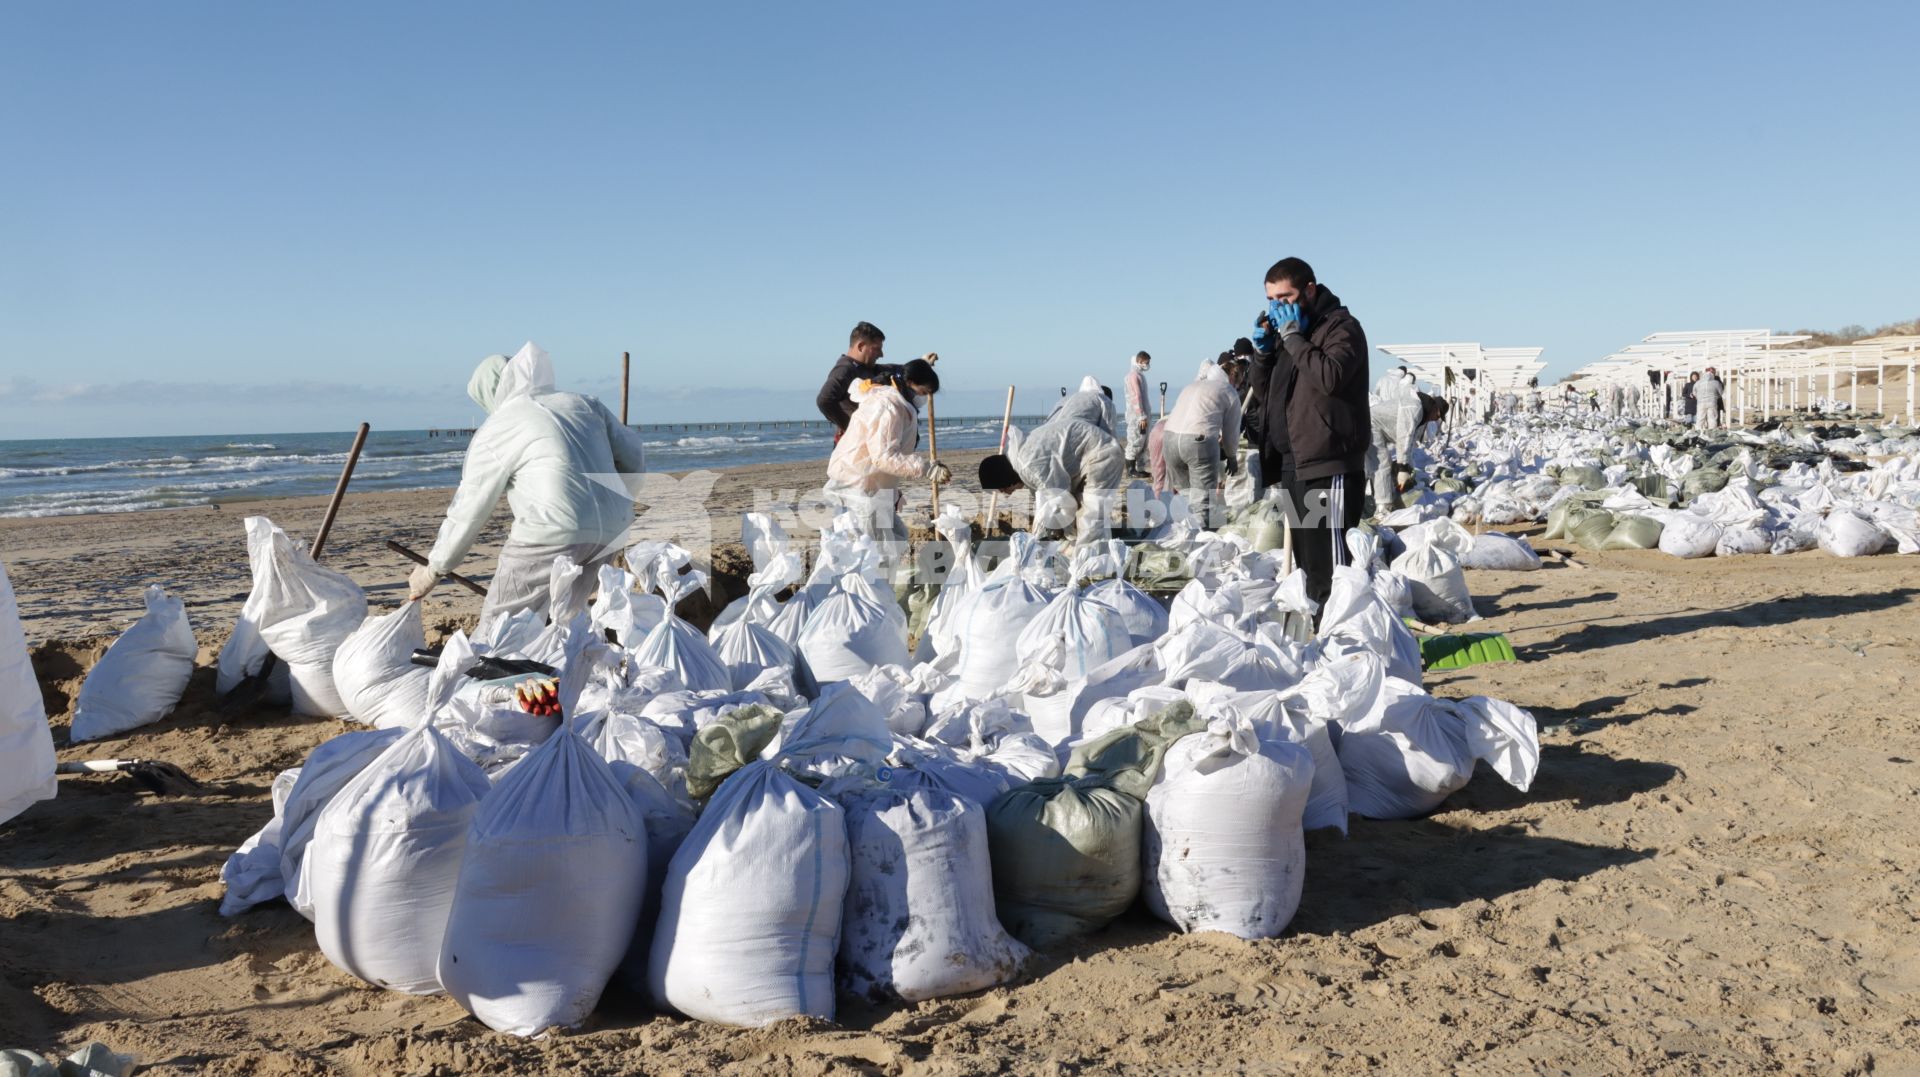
x,y
1296,387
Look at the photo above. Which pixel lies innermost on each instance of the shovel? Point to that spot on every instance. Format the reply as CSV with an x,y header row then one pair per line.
x,y
249,690
157,777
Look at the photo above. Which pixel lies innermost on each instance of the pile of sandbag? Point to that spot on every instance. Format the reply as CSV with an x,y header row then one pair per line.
x,y
750,836
1603,484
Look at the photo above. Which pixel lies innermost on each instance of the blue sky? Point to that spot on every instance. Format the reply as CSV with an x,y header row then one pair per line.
x,y
230,217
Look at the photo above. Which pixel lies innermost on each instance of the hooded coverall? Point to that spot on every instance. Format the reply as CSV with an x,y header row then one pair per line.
x,y
1067,458
876,452
560,459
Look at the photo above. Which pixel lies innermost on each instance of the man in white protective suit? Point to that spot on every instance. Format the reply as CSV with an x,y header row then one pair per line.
x,y
1203,439
1708,395
1137,412
560,459
1067,463
1090,404
1401,414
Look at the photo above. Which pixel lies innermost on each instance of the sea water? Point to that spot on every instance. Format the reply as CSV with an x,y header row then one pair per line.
x,y
61,477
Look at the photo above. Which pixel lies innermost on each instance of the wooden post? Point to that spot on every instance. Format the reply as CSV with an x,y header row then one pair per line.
x,y
626,362
993,499
933,436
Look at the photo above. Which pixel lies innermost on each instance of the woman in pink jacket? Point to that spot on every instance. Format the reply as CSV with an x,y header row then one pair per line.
x,y
877,451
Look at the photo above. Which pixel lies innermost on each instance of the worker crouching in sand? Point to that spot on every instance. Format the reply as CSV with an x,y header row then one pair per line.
x,y
559,458
1066,462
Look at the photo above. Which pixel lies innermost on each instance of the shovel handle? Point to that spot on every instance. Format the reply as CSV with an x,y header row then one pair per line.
x,y
419,560
339,491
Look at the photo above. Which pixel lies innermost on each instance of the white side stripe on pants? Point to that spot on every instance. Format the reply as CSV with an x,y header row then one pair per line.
x,y
1337,508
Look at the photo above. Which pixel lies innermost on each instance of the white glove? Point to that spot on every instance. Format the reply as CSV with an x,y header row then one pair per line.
x,y
940,473
419,582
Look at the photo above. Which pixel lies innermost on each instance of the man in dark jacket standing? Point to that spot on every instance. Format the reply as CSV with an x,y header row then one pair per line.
x,y
865,345
1315,425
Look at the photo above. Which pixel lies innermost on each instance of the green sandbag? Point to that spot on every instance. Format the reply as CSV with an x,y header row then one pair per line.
x,y
1462,649
917,599
1261,523
1652,487
1589,527
1703,481
1450,486
1585,476
727,745
1158,568
1634,533
1130,757
1066,857
1557,520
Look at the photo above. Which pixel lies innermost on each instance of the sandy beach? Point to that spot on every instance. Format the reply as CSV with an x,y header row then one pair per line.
x,y
1711,872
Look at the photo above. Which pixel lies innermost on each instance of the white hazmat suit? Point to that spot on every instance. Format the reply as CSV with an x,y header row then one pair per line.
x,y
876,452
1398,413
1202,428
1067,457
560,459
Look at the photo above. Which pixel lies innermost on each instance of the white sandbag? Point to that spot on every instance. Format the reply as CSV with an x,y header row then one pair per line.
x,y
549,891
1146,619
307,611
245,652
267,865
1289,716
631,740
1849,534
918,922
748,649
1355,620
628,614
1395,590
26,743
1073,635
1413,750
990,622
374,671
852,630
1494,551
385,857
1069,638
652,766
682,714
751,911
1110,714
143,674
677,646
1433,570
1687,535
963,577
902,695
1119,678
1738,541
1223,841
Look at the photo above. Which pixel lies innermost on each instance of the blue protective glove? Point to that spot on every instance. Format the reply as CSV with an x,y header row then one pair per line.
x,y
1260,336
1286,317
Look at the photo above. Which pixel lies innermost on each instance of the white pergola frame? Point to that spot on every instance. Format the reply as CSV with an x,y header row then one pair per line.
x,y
1762,369
1496,369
